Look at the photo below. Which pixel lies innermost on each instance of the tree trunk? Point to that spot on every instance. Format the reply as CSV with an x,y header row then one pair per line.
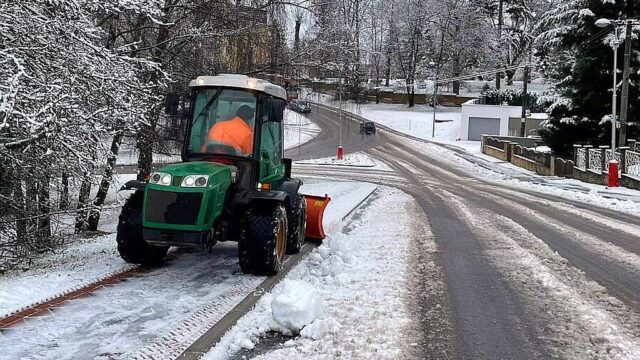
x,y
107,176
83,202
64,194
510,75
21,223
44,210
145,152
387,72
456,73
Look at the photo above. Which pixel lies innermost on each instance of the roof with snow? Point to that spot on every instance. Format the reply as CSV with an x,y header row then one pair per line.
x,y
240,81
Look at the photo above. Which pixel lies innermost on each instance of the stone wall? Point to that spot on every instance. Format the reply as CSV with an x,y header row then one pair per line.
x,y
532,165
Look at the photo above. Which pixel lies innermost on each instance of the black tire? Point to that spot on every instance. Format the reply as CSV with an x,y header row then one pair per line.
x,y
263,240
131,246
297,224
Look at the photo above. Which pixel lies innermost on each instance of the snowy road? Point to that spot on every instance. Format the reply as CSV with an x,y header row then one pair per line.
x,y
528,275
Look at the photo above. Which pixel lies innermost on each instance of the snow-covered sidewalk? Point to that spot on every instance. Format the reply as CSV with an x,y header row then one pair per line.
x,y
345,300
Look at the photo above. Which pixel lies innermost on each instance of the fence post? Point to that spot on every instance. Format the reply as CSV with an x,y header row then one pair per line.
x,y
603,160
586,156
623,158
631,143
575,153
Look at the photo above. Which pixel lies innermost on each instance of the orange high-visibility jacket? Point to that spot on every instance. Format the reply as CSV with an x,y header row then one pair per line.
x,y
235,133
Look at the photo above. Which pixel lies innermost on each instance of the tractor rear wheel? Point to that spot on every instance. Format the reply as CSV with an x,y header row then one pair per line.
x,y
297,224
131,245
263,240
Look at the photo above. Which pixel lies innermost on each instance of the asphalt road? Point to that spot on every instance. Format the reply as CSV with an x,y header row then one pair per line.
x,y
527,275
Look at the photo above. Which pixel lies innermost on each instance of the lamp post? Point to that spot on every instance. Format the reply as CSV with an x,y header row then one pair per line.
x,y
435,95
605,23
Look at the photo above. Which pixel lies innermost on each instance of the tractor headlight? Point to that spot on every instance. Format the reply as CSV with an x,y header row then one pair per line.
x,y
195,181
160,179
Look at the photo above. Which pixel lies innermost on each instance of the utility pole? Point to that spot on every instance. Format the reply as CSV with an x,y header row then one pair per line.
x,y
523,119
624,101
500,20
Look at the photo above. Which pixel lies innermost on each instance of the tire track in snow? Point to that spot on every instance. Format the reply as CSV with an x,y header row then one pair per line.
x,y
612,266
488,320
582,328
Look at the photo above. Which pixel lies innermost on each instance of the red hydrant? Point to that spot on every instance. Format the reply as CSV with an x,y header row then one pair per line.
x,y
340,153
613,173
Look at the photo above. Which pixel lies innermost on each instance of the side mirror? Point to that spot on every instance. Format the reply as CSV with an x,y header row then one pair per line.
x,y
171,104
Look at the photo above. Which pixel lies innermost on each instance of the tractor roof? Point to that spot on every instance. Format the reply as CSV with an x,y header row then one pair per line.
x,y
240,81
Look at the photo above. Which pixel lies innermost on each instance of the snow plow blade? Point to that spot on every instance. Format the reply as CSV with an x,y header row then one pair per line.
x,y
315,212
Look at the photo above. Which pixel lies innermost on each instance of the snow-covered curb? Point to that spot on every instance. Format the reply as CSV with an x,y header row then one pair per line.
x,y
360,275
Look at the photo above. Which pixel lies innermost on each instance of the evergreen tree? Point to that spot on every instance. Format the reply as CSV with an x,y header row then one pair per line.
x,y
577,57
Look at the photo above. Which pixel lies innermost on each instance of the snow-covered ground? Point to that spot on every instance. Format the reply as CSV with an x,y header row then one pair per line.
x,y
136,316
298,129
354,301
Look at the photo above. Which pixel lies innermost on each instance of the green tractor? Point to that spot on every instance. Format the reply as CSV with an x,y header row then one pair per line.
x,y
233,184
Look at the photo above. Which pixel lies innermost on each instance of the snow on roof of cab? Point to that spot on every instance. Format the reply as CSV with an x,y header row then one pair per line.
x,y
240,81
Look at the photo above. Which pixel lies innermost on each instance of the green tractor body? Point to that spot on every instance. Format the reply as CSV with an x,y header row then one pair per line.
x,y
233,183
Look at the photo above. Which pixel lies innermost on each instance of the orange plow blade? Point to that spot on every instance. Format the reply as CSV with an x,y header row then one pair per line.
x,y
315,211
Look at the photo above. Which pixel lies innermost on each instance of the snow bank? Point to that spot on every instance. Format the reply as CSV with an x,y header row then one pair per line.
x,y
296,304
358,159
361,276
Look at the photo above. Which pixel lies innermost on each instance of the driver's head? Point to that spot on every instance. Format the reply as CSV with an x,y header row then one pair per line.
x,y
245,112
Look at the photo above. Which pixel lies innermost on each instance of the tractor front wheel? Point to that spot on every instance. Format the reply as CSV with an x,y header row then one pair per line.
x,y
263,240
297,224
131,245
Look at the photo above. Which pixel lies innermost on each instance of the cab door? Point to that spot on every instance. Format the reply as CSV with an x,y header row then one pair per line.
x,y
271,143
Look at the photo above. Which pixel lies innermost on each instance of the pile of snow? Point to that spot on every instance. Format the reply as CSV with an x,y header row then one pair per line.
x,y
296,304
358,159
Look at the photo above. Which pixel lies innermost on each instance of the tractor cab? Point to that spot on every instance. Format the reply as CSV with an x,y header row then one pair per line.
x,y
233,184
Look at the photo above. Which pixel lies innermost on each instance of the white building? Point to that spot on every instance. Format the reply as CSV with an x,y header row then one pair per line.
x,y
501,120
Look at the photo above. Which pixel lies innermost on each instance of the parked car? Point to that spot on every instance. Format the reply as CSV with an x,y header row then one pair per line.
x,y
300,106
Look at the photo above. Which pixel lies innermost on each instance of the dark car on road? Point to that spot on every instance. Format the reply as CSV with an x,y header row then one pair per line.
x,y
369,128
300,106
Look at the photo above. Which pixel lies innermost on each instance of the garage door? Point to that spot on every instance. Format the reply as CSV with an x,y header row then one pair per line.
x,y
480,125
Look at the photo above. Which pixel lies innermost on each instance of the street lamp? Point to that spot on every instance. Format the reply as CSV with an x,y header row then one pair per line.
x,y
606,23
435,94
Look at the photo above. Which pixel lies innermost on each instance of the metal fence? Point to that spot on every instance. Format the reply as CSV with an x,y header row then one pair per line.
x,y
581,158
608,156
595,160
632,163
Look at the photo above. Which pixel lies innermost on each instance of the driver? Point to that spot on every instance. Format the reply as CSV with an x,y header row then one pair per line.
x,y
235,132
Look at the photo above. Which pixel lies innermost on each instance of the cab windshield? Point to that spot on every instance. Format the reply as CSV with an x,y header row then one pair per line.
x,y
223,122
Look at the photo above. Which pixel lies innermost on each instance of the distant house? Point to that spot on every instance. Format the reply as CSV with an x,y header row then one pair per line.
x,y
502,120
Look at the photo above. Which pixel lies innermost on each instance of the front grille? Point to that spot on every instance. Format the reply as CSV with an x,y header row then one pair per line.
x,y
168,207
